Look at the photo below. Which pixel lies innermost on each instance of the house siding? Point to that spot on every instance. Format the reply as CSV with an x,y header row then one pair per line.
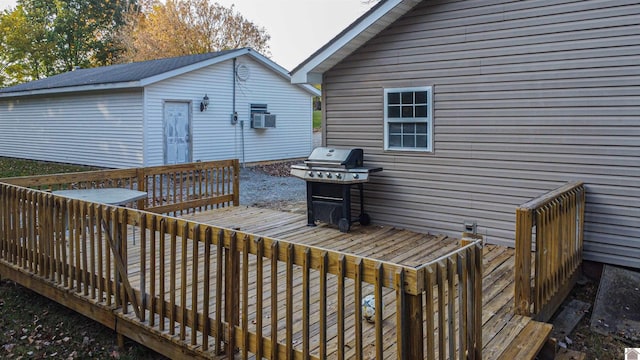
x,y
527,96
97,128
213,135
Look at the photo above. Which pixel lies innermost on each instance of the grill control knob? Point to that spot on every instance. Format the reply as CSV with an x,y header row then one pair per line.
x,y
356,176
338,176
319,174
310,173
328,175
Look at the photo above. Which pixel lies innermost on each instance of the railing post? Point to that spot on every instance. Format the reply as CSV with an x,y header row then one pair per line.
x,y
413,308
522,295
236,182
142,186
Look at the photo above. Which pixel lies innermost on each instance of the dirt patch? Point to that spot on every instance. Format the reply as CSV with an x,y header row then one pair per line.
x,y
279,169
33,327
584,339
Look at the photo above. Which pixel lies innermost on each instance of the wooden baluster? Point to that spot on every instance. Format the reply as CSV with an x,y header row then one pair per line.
x,y
324,269
92,251
289,302
102,277
463,303
245,297
340,305
232,293
121,239
441,281
429,309
173,230
259,295
219,293
358,307
402,331
208,238
143,267
85,228
152,270
183,280
274,299
451,275
477,292
379,284
195,269
162,274
306,266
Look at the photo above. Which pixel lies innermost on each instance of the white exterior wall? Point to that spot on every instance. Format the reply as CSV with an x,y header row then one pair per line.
x,y
213,135
97,128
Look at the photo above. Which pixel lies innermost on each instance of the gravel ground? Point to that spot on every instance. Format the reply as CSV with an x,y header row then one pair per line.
x,y
271,186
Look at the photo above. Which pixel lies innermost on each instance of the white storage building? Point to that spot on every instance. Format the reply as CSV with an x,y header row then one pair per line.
x,y
153,113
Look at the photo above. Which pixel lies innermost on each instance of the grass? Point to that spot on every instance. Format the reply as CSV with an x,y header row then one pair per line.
x,y
10,167
317,120
35,327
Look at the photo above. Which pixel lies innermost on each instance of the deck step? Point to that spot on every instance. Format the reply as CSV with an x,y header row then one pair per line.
x,y
528,342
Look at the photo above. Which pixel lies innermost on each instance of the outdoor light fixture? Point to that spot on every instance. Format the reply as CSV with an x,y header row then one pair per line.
x,y
205,103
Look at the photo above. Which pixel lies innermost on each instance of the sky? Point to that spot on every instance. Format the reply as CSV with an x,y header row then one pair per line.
x,y
297,27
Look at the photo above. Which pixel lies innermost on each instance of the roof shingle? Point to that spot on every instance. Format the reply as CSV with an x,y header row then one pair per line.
x,y
113,74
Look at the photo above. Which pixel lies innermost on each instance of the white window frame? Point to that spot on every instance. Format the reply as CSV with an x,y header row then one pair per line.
x,y
428,119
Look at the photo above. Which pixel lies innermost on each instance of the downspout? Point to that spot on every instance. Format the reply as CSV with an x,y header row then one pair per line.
x,y
234,110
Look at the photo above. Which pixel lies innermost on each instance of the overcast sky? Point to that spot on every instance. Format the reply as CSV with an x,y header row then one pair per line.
x,y
297,27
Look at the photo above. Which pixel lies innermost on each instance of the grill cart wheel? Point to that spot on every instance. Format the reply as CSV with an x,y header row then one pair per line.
x,y
365,219
344,225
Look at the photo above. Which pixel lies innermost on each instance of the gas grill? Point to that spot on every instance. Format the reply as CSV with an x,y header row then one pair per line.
x,y
330,173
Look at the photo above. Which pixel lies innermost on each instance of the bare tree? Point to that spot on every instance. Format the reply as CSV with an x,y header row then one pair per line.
x,y
184,27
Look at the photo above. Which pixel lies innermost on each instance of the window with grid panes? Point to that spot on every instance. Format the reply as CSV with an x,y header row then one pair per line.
x,y
408,119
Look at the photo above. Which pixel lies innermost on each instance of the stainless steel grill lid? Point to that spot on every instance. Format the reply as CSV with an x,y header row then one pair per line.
x,y
331,165
333,157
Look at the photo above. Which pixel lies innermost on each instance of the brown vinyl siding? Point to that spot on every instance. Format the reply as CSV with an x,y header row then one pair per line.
x,y
527,95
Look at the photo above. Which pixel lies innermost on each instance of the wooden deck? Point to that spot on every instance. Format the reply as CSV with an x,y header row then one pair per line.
x,y
383,243
263,282
505,335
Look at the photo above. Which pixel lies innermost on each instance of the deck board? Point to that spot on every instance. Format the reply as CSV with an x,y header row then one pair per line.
x,y
384,243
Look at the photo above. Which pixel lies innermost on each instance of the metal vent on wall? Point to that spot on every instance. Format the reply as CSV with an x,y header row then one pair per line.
x,y
263,121
242,72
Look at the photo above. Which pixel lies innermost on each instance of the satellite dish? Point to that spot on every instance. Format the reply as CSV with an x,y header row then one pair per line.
x,y
242,72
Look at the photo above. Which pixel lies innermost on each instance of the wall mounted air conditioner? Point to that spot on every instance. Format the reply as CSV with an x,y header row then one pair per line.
x,y
263,121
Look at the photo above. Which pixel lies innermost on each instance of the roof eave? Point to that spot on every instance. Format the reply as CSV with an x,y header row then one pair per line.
x,y
70,89
355,35
281,71
219,59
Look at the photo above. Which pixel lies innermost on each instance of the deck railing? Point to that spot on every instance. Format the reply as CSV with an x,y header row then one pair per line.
x,y
452,306
552,226
212,290
171,189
